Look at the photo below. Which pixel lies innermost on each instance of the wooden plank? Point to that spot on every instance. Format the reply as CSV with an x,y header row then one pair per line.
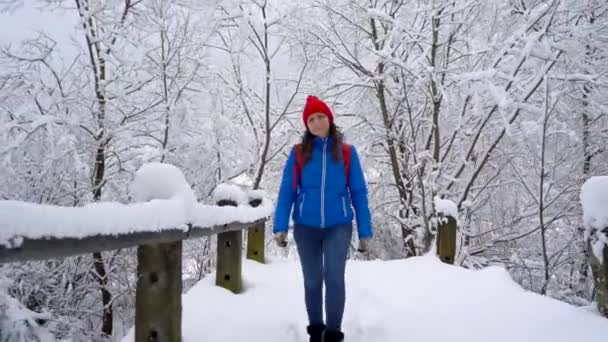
x,y
229,256
42,249
255,242
446,240
230,261
600,271
158,300
256,237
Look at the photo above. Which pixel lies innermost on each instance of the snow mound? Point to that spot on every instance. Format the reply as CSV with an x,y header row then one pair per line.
x,y
446,207
594,199
257,194
232,192
418,299
160,181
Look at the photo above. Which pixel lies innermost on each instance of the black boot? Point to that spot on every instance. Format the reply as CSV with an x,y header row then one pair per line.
x,y
333,336
316,332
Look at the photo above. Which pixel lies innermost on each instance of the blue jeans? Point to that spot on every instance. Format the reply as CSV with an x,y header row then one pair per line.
x,y
323,254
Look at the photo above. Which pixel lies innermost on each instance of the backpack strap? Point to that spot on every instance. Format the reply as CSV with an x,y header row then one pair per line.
x,y
297,170
346,153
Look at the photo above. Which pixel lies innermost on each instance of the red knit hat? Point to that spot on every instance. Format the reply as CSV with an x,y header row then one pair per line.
x,y
315,105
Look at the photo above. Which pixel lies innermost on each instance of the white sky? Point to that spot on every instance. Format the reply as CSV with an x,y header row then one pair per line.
x,y
31,17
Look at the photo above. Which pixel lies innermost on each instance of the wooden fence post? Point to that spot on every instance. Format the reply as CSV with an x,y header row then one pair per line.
x,y
229,257
256,237
598,259
158,299
594,201
446,239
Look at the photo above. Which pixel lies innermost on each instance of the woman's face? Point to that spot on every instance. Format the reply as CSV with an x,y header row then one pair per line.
x,y
318,124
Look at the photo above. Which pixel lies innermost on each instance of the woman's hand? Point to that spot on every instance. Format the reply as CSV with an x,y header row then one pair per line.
x,y
363,245
281,239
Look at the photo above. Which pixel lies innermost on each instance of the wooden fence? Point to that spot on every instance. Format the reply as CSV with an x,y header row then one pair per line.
x,y
158,306
159,255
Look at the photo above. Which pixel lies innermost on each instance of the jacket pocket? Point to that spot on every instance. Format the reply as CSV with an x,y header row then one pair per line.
x,y
344,206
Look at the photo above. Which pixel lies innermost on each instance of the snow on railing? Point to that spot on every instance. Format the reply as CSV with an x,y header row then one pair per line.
x,y
165,212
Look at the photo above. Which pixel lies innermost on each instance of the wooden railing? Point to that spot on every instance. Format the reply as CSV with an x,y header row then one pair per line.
x,y
159,271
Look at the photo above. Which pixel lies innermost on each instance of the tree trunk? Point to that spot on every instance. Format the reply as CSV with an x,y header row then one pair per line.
x,y
100,268
106,295
98,51
407,232
587,157
267,126
435,136
541,197
167,105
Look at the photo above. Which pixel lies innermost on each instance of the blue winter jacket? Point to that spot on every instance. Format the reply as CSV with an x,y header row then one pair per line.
x,y
322,199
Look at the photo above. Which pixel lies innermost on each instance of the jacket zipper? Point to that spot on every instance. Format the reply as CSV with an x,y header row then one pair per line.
x,y
302,204
344,206
323,184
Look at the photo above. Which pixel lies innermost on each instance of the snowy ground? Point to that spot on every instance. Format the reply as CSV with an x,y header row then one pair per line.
x,y
419,299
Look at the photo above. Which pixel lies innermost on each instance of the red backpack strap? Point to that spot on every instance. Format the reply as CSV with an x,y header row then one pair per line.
x,y
297,170
346,152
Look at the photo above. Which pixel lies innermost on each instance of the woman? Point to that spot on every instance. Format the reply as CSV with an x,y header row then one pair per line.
x,y
321,178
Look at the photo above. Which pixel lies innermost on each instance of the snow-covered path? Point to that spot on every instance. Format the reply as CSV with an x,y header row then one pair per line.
x,y
419,299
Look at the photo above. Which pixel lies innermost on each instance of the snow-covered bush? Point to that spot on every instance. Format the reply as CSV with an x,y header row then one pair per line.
x,y
18,324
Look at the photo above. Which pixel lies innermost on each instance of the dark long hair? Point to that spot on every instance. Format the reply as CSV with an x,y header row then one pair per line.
x,y
336,146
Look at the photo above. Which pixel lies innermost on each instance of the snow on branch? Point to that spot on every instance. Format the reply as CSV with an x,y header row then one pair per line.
x,y
167,203
594,200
